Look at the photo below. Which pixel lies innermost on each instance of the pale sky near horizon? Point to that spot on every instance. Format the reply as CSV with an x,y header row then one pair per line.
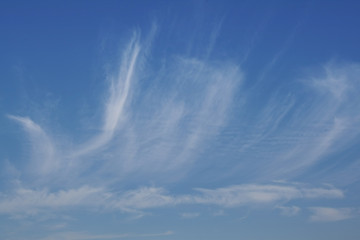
x,y
179,120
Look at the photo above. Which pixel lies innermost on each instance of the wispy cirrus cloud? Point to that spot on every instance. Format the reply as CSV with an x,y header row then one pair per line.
x,y
161,127
44,159
121,84
158,118
299,127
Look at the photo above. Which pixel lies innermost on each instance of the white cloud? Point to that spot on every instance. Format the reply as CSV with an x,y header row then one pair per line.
x,y
87,236
154,119
190,215
160,119
157,120
322,192
168,129
58,226
145,198
219,213
31,202
119,95
300,126
337,80
326,214
289,211
247,194
44,156
232,196
239,195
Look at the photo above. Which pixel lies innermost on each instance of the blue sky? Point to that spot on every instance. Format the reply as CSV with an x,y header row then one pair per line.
x,y
179,120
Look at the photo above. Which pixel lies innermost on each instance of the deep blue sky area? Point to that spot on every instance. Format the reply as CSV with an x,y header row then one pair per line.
x,y
179,120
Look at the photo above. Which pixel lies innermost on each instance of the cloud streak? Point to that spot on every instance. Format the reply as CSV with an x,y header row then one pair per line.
x,y
31,202
86,236
119,94
326,214
44,157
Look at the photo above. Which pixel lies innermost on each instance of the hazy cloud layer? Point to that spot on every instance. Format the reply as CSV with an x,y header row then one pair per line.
x,y
289,211
327,214
86,236
31,202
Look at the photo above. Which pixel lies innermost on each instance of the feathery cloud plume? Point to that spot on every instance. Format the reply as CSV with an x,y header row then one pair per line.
x,y
44,159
